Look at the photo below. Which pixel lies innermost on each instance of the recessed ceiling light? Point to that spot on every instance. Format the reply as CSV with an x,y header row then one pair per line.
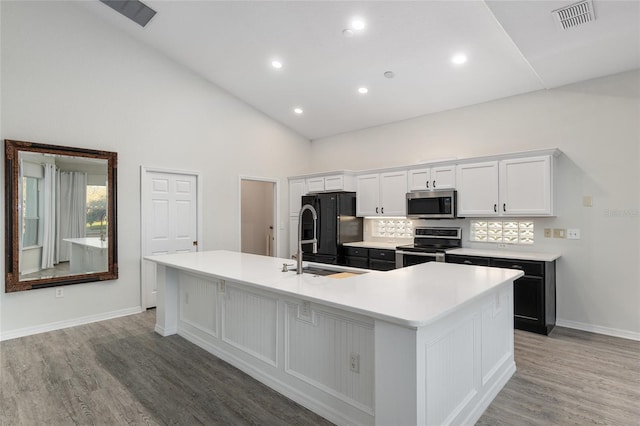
x,y
459,59
276,64
363,90
358,24
389,74
298,111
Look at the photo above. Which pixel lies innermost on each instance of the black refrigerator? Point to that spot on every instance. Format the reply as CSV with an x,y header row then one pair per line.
x,y
337,224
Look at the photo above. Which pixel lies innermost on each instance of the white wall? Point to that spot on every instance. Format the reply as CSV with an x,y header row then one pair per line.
x,y
596,125
69,79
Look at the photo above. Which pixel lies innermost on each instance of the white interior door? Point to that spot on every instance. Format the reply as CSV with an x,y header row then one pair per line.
x,y
169,221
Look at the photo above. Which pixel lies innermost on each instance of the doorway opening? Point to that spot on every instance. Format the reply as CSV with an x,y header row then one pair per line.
x,y
258,213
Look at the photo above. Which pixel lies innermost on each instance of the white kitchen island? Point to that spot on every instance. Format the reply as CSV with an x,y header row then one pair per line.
x,y
88,255
429,344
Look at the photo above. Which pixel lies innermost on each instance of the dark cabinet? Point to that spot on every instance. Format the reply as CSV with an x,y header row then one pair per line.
x,y
356,257
467,260
534,294
377,259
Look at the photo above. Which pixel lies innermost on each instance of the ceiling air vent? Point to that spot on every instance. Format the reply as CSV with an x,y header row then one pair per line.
x,y
135,10
573,15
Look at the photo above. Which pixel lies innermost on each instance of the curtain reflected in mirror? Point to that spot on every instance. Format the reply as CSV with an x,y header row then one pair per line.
x,y
63,210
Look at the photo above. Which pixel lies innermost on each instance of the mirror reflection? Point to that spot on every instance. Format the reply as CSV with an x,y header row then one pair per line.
x,y
60,215
64,215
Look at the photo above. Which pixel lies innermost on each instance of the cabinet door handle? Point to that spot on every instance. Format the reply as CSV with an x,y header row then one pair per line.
x,y
504,207
468,262
382,210
434,184
376,210
495,208
427,184
517,267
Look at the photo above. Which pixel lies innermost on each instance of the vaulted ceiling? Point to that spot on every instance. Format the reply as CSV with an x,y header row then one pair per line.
x,y
511,47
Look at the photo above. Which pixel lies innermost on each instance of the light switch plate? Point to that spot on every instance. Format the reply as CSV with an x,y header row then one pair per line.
x,y
573,234
559,233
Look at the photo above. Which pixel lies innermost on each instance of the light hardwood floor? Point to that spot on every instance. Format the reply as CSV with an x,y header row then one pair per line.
x,y
120,372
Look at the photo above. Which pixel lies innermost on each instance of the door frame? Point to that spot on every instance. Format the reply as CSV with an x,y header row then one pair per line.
x,y
143,172
276,209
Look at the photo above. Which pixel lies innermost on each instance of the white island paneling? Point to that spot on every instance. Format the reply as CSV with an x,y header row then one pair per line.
x,y
424,345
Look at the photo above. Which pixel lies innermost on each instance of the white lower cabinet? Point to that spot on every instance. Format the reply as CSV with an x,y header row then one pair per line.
x,y
382,194
511,187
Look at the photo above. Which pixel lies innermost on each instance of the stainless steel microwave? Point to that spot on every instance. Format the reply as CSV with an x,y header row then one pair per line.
x,y
431,204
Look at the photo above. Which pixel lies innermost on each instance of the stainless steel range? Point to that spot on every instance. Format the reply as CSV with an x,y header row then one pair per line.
x,y
429,245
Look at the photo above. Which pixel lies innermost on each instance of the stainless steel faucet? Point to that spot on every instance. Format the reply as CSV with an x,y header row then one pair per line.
x,y
314,240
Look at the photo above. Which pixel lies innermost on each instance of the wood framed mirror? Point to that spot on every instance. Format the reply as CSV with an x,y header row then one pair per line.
x,y
61,217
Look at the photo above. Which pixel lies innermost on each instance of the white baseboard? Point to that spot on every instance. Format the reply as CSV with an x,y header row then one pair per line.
x,y
615,332
58,325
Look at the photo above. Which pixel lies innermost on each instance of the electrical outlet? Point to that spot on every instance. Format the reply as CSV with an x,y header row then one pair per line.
x,y
502,246
573,234
59,292
306,309
559,233
547,232
587,201
354,362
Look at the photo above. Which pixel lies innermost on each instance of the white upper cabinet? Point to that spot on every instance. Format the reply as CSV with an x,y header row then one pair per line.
x,y
382,194
328,183
477,185
297,188
368,195
315,184
526,186
426,179
510,187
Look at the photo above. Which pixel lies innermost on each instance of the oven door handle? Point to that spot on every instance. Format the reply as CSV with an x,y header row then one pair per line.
x,y
439,257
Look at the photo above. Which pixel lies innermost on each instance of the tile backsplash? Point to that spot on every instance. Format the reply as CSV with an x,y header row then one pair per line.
x,y
492,231
391,228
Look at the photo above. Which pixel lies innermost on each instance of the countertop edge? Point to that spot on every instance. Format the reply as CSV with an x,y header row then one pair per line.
x,y
535,256
404,322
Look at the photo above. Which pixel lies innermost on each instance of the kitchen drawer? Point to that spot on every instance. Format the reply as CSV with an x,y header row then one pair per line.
x,y
357,262
381,265
529,267
380,254
467,260
356,251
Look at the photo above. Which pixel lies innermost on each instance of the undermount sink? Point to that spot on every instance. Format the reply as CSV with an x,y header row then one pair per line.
x,y
331,273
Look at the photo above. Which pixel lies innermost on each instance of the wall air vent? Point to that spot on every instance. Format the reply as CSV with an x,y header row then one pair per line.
x,y
575,14
135,10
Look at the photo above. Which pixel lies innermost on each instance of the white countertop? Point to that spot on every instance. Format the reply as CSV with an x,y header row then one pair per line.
x,y
375,244
412,297
88,242
544,257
